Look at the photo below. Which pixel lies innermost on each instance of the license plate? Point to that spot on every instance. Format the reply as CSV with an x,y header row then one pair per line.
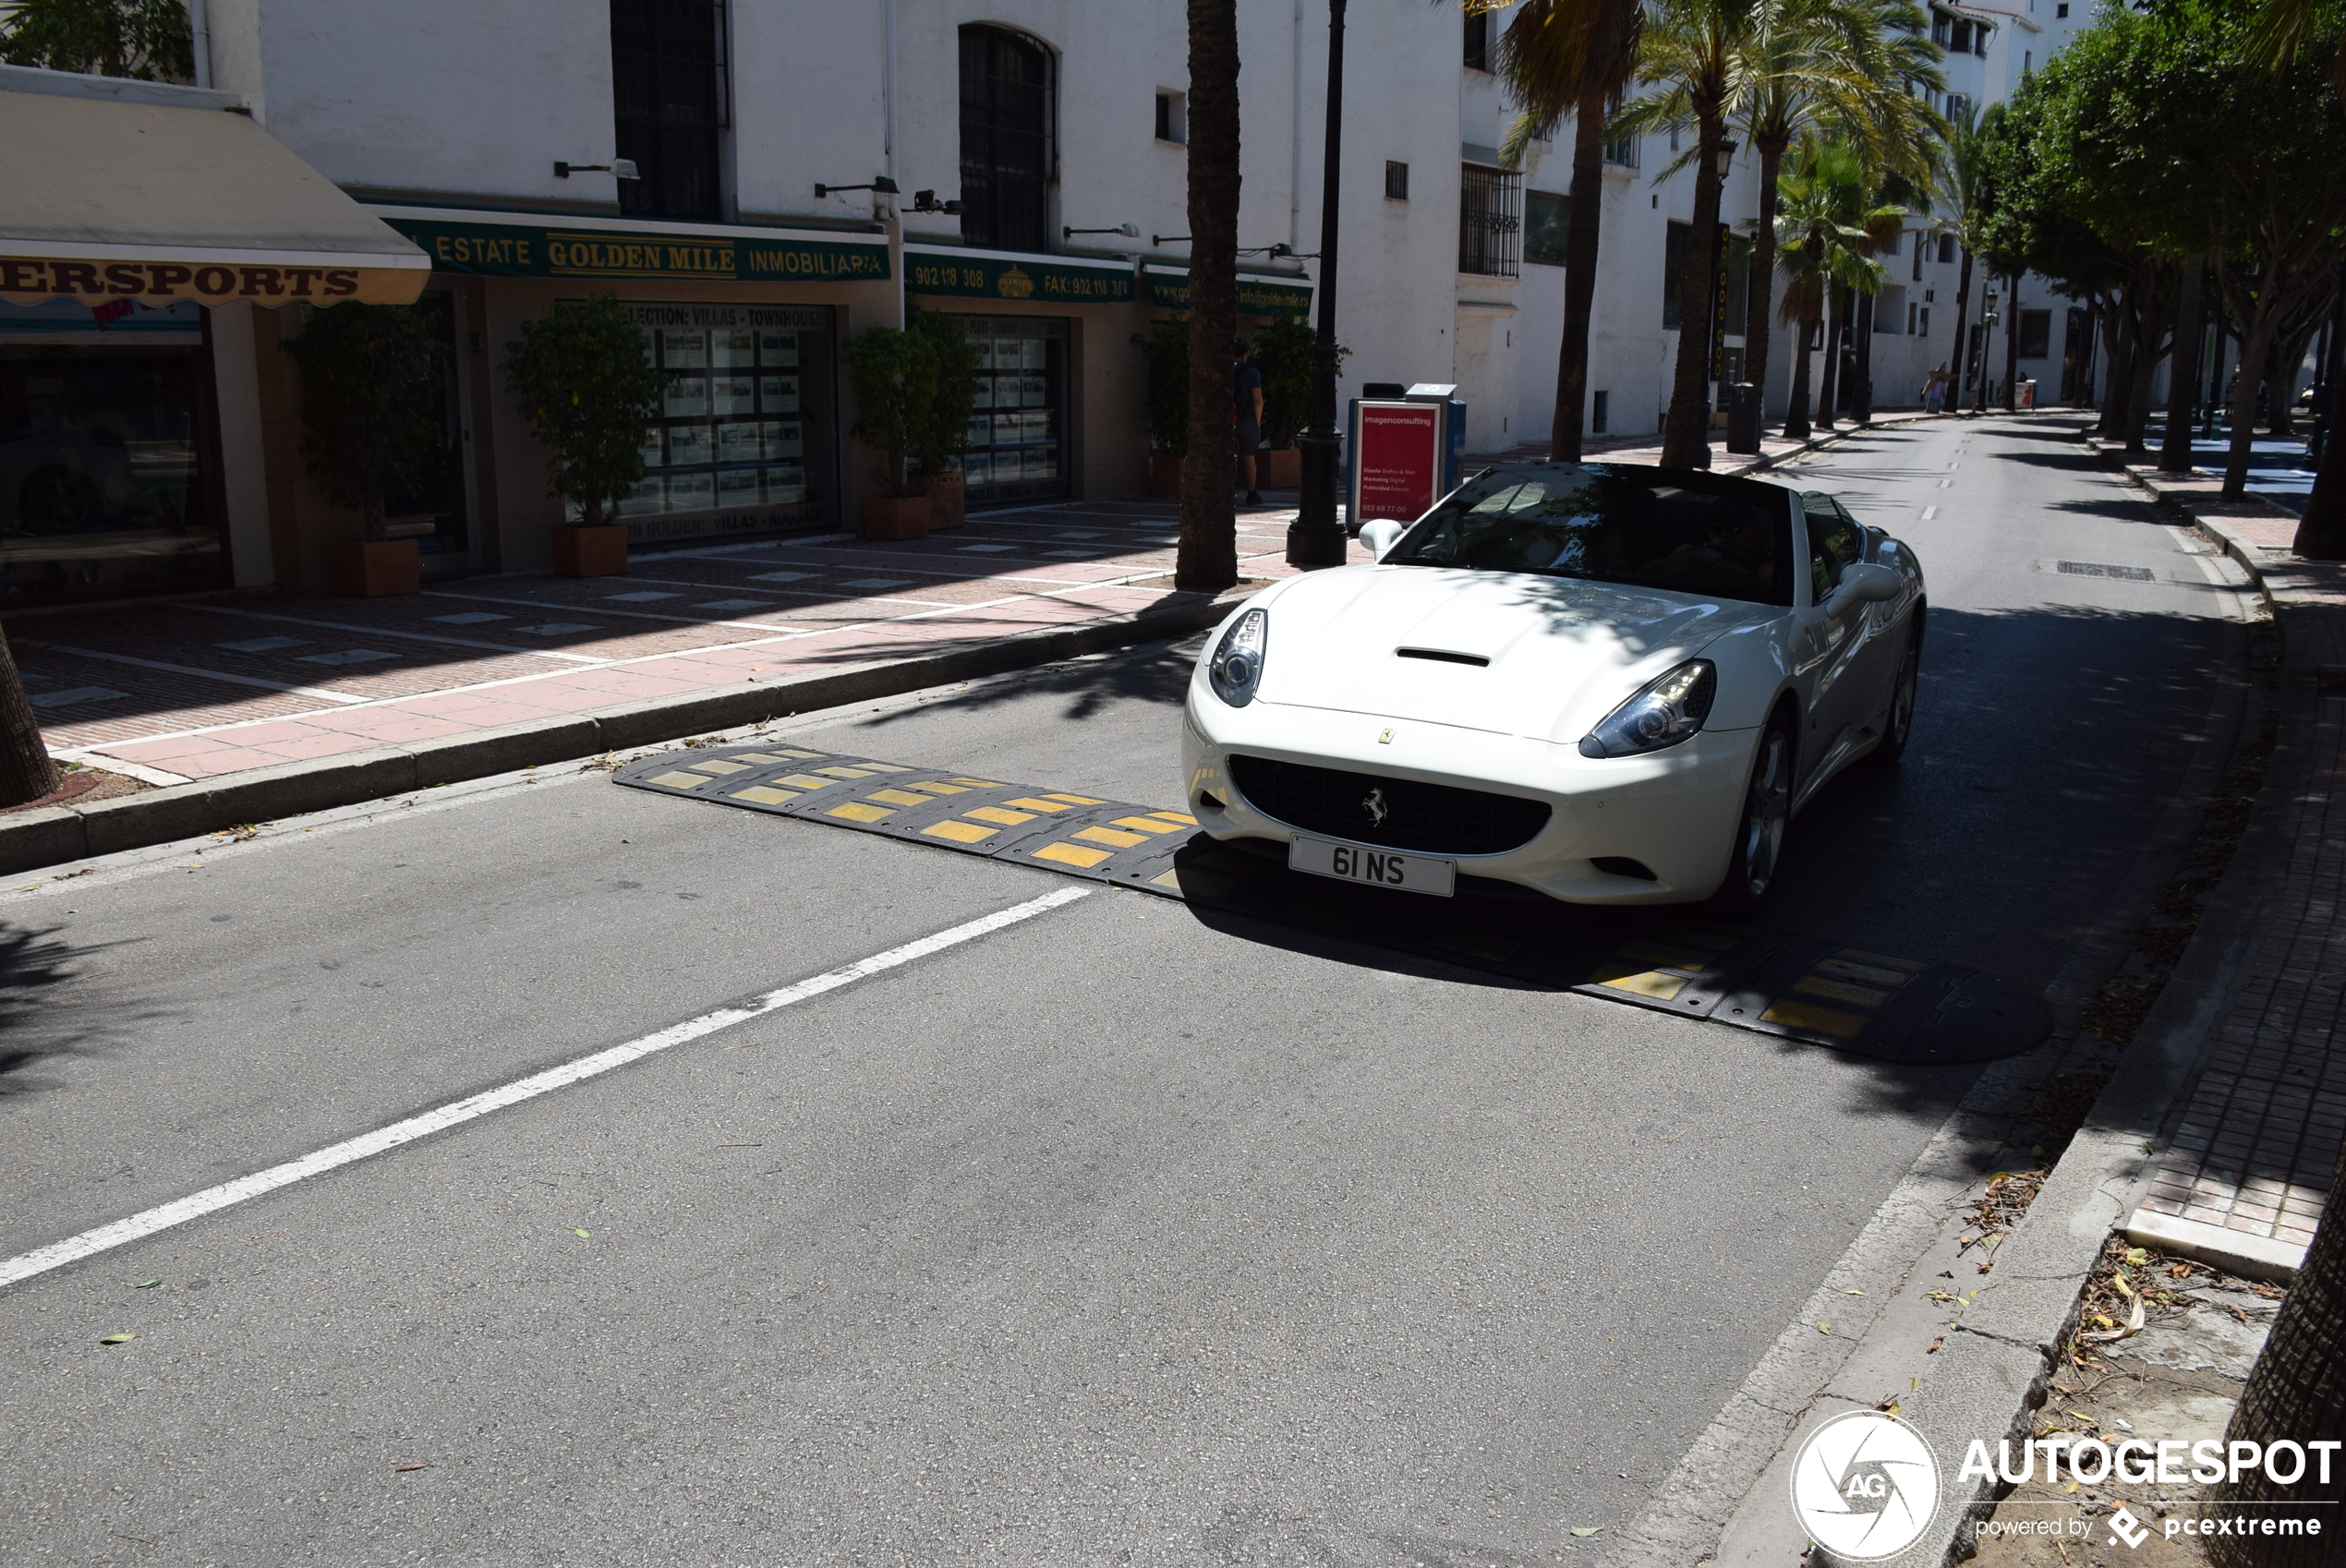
x,y
1380,868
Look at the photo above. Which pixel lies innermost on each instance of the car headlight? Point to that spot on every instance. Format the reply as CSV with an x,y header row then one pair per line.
x,y
1237,668
1667,709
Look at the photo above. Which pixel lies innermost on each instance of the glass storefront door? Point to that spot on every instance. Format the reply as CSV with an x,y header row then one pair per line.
x,y
104,454
748,434
1018,442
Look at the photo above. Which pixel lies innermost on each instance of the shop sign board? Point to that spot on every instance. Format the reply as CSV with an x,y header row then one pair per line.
x,y
523,250
1399,459
982,275
1257,295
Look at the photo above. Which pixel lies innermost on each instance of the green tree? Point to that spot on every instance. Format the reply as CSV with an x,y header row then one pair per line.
x,y
940,431
892,372
1208,558
1283,352
588,388
1827,229
1165,351
371,389
145,40
1559,58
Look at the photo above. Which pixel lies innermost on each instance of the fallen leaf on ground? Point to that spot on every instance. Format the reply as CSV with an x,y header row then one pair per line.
x,y
401,1469
1824,1328
147,1285
1586,1529
1853,1293
118,1339
581,1235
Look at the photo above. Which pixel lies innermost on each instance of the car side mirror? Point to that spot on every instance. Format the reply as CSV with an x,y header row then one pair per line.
x,y
1866,582
1381,534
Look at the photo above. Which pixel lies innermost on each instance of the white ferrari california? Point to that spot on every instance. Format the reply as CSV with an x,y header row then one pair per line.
x,y
1607,683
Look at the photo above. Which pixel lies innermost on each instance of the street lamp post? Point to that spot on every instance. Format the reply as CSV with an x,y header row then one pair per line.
x,y
1315,538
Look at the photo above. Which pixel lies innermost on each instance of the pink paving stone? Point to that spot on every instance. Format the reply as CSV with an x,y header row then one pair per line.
x,y
397,727
182,747
317,746
219,765
269,734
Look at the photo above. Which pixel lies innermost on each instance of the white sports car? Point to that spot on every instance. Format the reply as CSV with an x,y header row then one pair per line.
x,y
1611,685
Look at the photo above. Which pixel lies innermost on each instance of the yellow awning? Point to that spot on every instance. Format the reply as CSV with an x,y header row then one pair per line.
x,y
103,201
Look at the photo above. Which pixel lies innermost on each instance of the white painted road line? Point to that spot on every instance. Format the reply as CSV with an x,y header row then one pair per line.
x,y
1928,512
212,1200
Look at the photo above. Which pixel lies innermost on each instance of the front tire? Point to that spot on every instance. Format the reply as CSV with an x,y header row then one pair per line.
x,y
1759,830
1900,722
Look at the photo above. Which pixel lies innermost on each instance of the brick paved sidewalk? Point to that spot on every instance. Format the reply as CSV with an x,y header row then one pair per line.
x,y
2254,1154
204,689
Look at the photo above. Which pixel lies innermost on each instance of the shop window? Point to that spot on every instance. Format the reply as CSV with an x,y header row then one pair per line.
x,y
433,513
667,86
1396,181
1547,227
105,454
746,431
1006,140
1017,438
2035,333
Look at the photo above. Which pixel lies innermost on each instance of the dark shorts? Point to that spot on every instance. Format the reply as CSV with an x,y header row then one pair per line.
x,y
1247,437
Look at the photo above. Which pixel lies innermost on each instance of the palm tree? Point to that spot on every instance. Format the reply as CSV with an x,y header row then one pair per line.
x,y
1562,57
1208,560
1962,187
1842,67
1829,227
1691,55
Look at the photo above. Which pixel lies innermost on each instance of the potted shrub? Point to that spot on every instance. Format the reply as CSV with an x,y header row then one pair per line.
x,y
941,432
1165,351
588,389
894,375
1283,352
369,402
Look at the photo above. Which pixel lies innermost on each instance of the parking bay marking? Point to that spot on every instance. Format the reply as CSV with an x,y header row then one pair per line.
x,y
105,1237
1799,987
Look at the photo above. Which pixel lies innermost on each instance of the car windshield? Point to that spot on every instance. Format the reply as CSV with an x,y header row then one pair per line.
x,y
1647,527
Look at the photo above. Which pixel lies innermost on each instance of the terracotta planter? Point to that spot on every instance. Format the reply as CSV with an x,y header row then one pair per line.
x,y
1281,468
597,551
896,517
1165,474
369,569
947,497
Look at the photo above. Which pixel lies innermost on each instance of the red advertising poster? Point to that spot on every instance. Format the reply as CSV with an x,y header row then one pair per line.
x,y
1399,464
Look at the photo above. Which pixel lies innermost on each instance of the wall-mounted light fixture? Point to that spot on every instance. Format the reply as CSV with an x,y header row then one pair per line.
x,y
925,202
1168,239
618,168
880,183
1130,231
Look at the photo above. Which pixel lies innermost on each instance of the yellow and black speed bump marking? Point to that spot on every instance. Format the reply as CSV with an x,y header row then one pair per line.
x,y
1798,987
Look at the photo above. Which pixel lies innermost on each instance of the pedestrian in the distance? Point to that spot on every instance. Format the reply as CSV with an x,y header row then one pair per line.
x,y
1934,391
1247,413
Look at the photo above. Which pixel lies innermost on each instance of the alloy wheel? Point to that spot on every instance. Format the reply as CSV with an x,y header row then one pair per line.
x,y
1766,810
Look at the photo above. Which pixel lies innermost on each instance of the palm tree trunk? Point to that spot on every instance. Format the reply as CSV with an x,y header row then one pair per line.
x,y
2183,370
1861,367
27,771
2321,532
2296,1390
1829,384
1795,418
1208,561
1685,436
1579,279
1963,326
1760,312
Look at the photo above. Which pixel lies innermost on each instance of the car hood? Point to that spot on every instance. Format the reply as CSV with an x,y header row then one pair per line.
x,y
1561,653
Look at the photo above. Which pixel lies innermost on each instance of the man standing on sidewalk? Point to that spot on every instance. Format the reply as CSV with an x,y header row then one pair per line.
x,y
1247,396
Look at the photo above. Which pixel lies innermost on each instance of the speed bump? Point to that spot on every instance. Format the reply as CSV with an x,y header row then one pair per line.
x,y
1798,988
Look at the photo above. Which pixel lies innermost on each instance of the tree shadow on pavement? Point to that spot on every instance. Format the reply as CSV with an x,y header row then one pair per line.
x,y
46,1013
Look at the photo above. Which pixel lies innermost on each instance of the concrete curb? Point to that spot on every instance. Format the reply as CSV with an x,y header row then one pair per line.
x,y
32,839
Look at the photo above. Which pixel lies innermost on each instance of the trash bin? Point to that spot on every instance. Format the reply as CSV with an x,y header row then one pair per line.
x,y
1743,417
2028,393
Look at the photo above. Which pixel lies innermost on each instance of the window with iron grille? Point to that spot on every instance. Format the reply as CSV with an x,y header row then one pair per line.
x,y
1006,140
1622,153
1396,181
1490,221
668,89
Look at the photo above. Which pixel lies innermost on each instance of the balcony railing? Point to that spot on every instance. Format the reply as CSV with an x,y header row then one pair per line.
x,y
1490,223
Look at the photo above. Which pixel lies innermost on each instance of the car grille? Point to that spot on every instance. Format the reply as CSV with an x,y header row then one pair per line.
x,y
1434,819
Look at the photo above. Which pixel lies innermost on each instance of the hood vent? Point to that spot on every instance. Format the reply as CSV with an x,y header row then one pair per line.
x,y
1444,656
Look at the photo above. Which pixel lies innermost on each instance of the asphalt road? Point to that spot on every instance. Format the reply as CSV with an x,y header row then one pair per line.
x,y
1112,1235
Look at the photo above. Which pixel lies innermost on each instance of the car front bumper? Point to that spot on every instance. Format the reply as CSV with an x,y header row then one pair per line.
x,y
1675,811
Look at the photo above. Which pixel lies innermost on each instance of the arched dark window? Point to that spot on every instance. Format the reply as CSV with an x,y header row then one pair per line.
x,y
668,82
1006,140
